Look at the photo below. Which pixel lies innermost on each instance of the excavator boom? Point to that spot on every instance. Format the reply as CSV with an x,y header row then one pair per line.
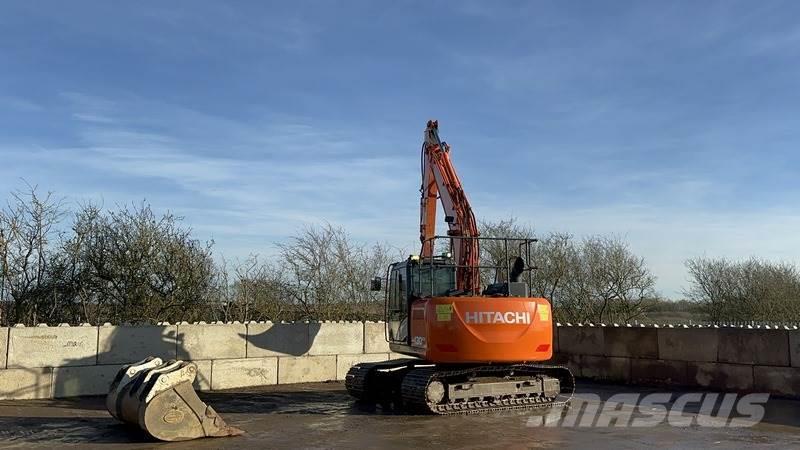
x,y
440,181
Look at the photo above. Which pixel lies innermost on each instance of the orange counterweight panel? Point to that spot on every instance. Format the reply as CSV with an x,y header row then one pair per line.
x,y
482,330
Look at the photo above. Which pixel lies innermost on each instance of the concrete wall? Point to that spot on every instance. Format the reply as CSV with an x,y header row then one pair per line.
x,y
730,359
64,361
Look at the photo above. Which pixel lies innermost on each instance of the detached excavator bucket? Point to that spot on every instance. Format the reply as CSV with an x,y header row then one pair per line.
x,y
158,397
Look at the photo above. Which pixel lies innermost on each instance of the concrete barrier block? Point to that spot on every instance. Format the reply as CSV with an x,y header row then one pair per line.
x,y
761,347
52,346
278,339
688,344
306,369
335,338
204,375
631,342
126,344
721,376
25,384
3,347
212,341
237,373
794,348
345,362
82,381
581,340
659,371
607,368
784,381
375,338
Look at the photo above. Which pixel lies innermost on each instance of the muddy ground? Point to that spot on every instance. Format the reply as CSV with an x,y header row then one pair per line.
x,y
322,415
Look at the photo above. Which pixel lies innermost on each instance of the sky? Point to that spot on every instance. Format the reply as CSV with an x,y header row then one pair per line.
x,y
673,125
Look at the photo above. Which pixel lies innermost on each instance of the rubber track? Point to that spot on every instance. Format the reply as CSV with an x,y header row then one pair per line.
x,y
416,382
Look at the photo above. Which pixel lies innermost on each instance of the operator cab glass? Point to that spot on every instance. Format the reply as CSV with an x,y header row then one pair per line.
x,y
411,280
432,280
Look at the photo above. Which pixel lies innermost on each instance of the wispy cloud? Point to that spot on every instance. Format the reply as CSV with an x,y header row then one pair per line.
x,y
310,176
673,124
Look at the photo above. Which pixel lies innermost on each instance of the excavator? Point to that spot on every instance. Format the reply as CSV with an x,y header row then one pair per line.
x,y
472,349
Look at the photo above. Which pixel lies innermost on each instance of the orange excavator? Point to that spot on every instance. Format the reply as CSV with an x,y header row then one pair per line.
x,y
474,349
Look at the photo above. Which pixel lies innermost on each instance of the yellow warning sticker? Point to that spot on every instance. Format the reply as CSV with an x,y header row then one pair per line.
x,y
544,312
444,313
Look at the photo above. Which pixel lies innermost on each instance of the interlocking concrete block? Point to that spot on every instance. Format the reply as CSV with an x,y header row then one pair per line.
x,y
3,347
52,346
237,373
375,338
581,340
23,384
794,347
345,362
659,371
82,381
212,341
762,347
721,376
126,344
631,342
204,375
784,381
279,339
607,368
334,338
306,369
688,344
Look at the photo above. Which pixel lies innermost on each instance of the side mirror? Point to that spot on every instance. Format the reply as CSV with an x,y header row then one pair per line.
x,y
375,284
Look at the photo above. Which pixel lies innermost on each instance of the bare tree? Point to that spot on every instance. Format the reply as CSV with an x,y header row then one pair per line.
x,y
326,273
749,290
27,228
597,279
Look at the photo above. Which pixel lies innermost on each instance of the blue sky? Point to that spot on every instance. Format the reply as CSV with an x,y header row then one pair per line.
x,y
674,125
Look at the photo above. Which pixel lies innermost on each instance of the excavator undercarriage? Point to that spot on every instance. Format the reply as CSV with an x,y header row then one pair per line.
x,y
419,386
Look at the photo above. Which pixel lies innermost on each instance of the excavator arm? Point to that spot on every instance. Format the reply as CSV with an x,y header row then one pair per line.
x,y
440,181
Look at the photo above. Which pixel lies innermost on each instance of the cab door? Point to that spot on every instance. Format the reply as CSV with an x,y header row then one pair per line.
x,y
397,304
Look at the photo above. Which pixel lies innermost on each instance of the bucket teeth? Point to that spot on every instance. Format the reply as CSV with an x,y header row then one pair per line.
x,y
158,397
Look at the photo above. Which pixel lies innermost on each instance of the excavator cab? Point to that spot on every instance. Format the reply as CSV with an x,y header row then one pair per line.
x,y
502,270
411,280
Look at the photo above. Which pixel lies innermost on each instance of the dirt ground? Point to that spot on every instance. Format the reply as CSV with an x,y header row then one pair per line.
x,y
322,415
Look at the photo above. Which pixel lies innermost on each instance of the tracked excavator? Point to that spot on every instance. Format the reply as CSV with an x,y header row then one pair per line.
x,y
473,345
476,338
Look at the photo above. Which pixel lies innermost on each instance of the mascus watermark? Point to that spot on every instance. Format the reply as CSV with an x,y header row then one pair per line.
x,y
649,410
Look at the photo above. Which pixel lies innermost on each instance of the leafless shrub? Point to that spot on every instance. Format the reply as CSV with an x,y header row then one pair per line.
x,y
27,228
597,279
749,290
326,274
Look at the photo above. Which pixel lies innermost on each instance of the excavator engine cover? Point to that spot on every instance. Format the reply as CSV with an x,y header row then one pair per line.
x,y
158,397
